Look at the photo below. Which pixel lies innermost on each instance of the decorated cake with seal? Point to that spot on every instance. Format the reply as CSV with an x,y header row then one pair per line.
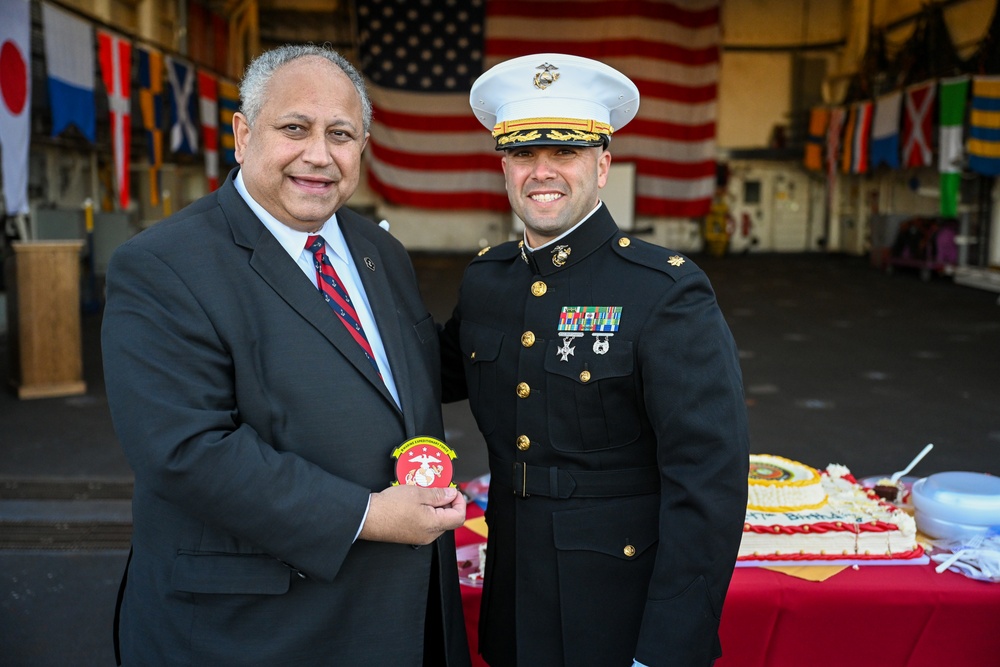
x,y
797,513
780,484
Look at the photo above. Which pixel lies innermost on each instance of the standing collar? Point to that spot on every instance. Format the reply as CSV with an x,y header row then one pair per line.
x,y
574,246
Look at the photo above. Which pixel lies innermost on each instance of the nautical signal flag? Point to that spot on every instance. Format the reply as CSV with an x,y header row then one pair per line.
x,y
833,131
917,124
984,126
856,138
15,101
183,107
115,56
951,111
819,119
69,58
885,131
208,103
229,103
150,75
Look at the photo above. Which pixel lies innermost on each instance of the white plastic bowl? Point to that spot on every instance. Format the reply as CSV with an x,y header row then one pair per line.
x,y
968,499
949,530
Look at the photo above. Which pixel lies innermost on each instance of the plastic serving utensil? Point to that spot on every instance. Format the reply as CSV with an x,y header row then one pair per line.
x,y
896,475
974,542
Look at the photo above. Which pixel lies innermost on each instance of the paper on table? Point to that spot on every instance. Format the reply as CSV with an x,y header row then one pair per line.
x,y
808,572
477,525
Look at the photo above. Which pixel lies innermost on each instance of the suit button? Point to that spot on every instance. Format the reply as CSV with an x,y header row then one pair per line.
x,y
629,551
523,390
523,442
585,376
527,339
539,288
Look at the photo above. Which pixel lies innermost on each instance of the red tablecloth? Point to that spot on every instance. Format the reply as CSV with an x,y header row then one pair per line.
x,y
470,595
885,616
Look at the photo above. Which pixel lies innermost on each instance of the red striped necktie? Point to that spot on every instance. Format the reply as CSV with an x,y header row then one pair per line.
x,y
335,294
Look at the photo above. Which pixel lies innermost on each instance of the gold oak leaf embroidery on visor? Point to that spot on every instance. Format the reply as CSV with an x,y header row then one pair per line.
x,y
573,136
515,137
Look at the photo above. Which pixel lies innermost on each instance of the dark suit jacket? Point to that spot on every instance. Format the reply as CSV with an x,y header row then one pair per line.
x,y
257,429
636,447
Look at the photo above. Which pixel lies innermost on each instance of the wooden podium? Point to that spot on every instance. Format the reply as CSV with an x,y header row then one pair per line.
x,y
43,317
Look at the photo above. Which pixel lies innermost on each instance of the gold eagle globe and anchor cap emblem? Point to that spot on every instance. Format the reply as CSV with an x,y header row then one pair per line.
x,y
546,77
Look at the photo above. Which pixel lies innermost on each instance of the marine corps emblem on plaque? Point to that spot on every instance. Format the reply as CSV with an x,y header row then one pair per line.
x,y
424,461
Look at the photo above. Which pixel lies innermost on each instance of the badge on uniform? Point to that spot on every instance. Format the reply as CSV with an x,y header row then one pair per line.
x,y
424,461
599,321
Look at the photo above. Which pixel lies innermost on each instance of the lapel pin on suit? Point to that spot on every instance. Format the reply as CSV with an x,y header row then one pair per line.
x,y
369,263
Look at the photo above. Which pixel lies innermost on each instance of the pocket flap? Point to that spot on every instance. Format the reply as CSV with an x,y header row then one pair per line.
x,y
254,574
609,528
480,343
616,363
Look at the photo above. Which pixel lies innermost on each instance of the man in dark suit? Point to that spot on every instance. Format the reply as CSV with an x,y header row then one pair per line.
x,y
608,388
259,413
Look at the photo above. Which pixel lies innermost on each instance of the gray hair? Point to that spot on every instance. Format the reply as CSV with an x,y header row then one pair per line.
x,y
253,87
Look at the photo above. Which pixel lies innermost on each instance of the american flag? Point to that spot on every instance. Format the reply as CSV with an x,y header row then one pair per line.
x,y
421,57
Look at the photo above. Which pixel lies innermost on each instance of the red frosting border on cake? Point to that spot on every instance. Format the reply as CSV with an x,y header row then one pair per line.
x,y
823,527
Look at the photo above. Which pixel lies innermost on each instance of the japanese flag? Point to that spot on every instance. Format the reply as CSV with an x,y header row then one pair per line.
x,y
15,101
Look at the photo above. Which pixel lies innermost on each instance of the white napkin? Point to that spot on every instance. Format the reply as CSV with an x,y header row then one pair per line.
x,y
976,557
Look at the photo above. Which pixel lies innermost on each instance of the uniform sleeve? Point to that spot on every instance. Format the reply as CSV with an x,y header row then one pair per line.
x,y
694,398
172,391
453,385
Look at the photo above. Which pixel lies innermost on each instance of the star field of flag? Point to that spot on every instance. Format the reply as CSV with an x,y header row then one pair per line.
x,y
420,45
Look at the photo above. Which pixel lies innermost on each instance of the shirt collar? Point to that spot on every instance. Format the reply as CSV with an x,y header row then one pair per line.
x,y
292,240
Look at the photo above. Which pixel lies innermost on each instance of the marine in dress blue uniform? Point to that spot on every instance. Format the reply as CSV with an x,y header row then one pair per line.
x,y
607,386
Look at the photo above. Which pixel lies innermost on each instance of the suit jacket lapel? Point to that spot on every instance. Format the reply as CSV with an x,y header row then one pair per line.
x,y
274,266
375,278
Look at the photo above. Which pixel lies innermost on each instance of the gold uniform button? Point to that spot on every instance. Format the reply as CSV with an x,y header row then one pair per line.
x,y
523,442
624,242
527,339
539,288
629,550
472,356
585,376
523,390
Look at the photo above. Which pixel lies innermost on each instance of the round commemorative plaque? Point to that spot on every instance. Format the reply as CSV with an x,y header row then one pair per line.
x,y
424,461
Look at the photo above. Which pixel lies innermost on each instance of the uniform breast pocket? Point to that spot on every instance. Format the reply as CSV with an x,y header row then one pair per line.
x,y
481,349
592,400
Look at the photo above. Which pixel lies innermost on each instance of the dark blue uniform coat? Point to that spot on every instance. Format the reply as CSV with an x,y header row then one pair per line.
x,y
618,462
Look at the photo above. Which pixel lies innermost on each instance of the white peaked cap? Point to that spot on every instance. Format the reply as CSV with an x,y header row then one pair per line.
x,y
553,98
